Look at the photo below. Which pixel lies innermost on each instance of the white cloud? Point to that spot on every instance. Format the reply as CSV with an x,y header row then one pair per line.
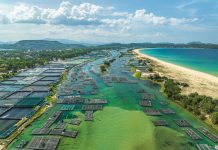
x,y
159,35
67,14
150,18
88,21
120,14
25,14
110,8
3,19
85,14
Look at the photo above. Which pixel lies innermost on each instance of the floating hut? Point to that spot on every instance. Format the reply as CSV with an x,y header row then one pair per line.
x,y
145,103
152,112
160,123
88,115
208,134
192,134
44,143
182,123
92,107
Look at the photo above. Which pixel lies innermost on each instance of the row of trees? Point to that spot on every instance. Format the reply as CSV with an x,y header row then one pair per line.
x,y
51,98
200,105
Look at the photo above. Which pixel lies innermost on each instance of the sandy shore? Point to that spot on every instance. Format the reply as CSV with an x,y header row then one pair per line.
x,y
200,82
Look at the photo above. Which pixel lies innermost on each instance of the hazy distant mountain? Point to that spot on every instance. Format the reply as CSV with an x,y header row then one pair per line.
x,y
39,45
9,42
195,42
56,45
161,45
66,41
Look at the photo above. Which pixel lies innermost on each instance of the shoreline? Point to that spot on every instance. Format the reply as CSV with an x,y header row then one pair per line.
x,y
200,82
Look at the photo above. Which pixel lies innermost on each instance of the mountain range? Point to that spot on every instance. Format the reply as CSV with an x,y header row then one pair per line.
x,y
49,44
39,45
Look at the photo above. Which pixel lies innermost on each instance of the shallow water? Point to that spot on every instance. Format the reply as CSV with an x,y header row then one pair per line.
x,y
122,124
204,60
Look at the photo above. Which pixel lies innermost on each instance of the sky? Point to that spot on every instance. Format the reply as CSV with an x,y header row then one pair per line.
x,y
106,21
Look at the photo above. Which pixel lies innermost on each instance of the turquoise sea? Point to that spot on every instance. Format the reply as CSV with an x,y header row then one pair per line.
x,y
204,60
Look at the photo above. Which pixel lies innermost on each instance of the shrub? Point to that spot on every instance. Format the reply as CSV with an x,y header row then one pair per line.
x,y
133,69
202,117
214,118
103,68
107,63
171,88
137,74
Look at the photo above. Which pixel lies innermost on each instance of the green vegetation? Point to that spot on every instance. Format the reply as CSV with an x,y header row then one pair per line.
x,y
200,105
55,45
13,61
214,118
106,64
133,69
171,89
163,45
156,77
103,68
146,63
137,74
39,45
51,98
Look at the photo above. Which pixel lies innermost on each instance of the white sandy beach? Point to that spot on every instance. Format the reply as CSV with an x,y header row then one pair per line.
x,y
200,82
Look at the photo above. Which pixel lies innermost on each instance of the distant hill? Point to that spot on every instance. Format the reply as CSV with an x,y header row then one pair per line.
x,y
39,45
161,45
8,42
56,45
66,41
